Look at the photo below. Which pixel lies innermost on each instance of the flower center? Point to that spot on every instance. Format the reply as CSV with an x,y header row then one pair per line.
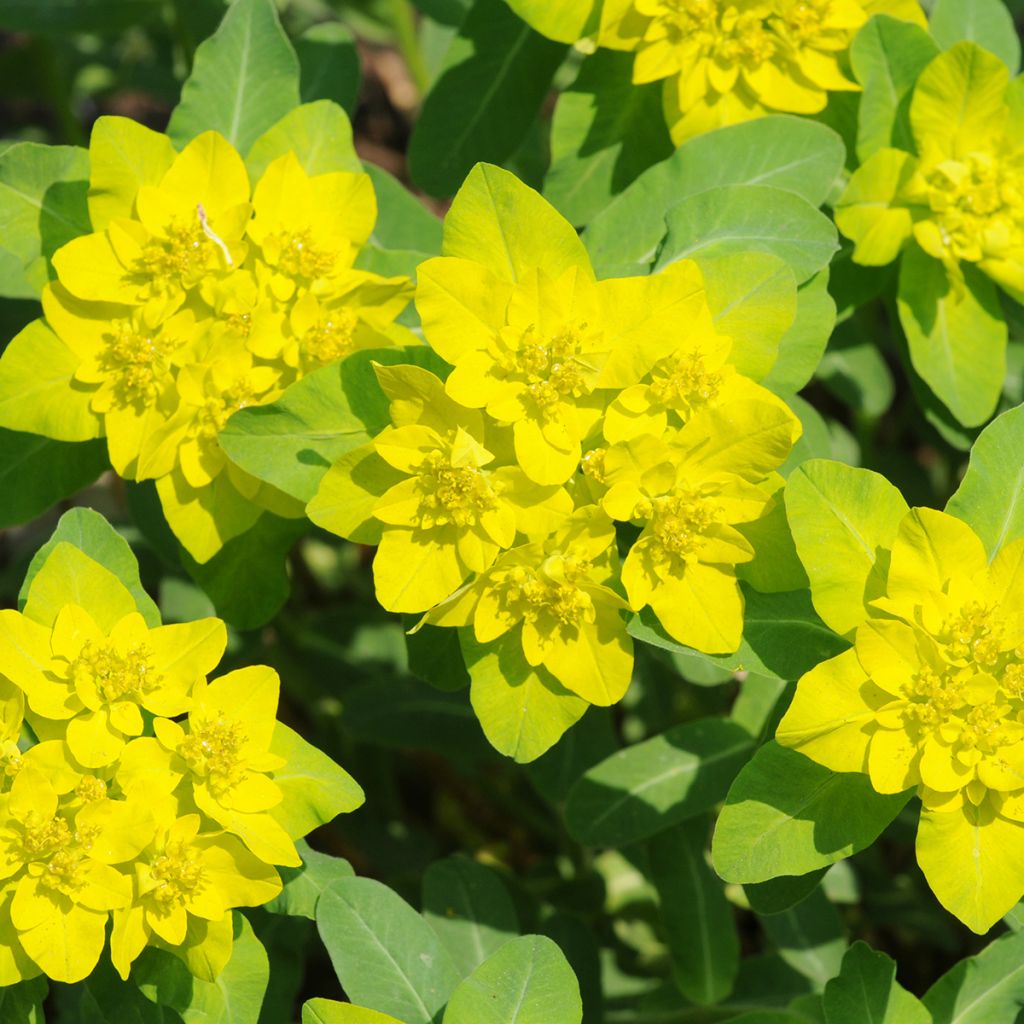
x,y
976,634
330,339
680,523
220,408
178,874
42,837
64,873
551,596
685,381
553,368
179,258
115,676
299,257
213,749
11,760
133,361
453,494
90,789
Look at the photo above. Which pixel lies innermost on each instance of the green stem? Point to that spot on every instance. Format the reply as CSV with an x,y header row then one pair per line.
x,y
58,91
404,23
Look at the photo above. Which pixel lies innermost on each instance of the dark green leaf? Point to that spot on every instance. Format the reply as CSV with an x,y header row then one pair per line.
x,y
330,65
60,16
779,894
809,937
866,992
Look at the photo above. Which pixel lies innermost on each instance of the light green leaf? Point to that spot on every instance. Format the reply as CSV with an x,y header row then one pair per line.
x,y
88,531
983,989
809,937
329,61
326,1011
36,473
801,347
495,77
787,815
316,790
528,981
842,520
750,218
956,334
42,206
523,710
697,918
651,786
303,886
790,153
990,497
245,77
384,953
604,133
985,22
470,909
887,55
319,134
866,992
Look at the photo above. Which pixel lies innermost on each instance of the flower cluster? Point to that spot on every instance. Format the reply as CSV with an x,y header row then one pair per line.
x,y
132,788
931,698
196,296
960,196
578,415
724,61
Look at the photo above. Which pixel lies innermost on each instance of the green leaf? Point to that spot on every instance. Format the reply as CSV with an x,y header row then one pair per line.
x,y
985,22
37,472
783,636
435,656
753,299
983,989
94,536
247,580
779,894
956,334
801,347
809,937
384,953
61,16
697,918
750,218
42,206
291,443
990,495
236,996
651,786
22,1003
790,153
887,55
470,909
843,520
315,789
604,133
866,992
528,981
303,886
787,815
590,741
523,710
245,77
403,222
856,372
326,1011
495,77
330,67
319,134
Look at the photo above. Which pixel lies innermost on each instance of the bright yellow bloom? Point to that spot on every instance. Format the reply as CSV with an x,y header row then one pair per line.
x,y
931,697
100,682
554,599
724,61
690,490
440,493
961,196
194,298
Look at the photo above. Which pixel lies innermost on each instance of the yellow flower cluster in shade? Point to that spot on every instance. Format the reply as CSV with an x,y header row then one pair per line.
x,y
960,197
572,405
723,61
133,789
931,698
196,296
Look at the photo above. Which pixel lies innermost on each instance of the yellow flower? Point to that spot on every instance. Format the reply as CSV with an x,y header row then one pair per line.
x,y
961,196
439,492
689,490
725,61
99,683
931,697
183,875
554,599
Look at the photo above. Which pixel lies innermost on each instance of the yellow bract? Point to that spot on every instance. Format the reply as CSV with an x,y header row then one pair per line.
x,y
931,697
724,61
199,297
113,807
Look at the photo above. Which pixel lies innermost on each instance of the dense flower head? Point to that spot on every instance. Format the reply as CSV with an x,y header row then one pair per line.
x,y
724,61
569,405
930,698
960,195
198,295
132,790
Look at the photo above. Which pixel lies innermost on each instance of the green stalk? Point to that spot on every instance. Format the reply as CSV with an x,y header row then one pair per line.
x,y
403,20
